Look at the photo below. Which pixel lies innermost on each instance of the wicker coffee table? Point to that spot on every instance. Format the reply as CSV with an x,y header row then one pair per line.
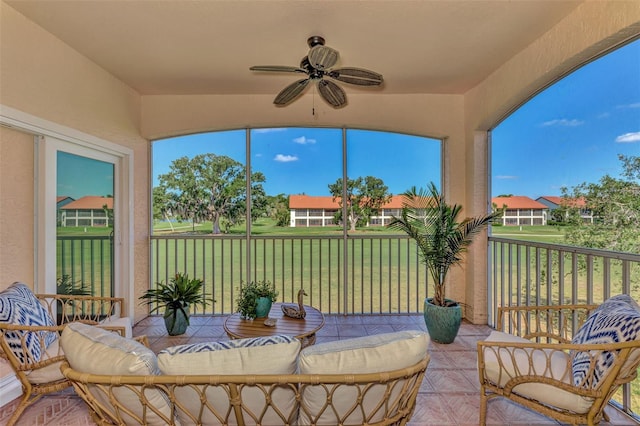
x,y
303,329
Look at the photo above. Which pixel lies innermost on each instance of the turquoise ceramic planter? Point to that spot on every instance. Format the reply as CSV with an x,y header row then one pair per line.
x,y
176,322
263,308
443,322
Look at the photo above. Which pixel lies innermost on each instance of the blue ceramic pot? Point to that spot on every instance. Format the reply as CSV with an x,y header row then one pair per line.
x,y
176,322
263,308
443,322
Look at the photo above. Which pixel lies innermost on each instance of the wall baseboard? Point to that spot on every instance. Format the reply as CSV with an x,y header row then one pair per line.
x,y
10,389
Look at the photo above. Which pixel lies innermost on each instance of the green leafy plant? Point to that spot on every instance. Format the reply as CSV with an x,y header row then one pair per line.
x,y
440,237
176,296
65,285
249,294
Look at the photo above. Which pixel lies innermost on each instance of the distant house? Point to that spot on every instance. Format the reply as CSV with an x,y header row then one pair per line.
x,y
521,210
86,211
61,201
307,210
554,202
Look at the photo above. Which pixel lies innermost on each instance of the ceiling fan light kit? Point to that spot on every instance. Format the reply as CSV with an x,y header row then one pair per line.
x,y
317,65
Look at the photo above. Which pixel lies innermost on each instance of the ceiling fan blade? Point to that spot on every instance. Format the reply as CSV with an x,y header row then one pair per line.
x,y
332,93
291,92
277,68
323,57
357,76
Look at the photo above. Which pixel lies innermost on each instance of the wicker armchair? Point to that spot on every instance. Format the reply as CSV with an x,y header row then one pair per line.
x,y
538,366
33,351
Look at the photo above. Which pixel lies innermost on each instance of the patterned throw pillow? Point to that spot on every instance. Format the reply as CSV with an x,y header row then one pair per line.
x,y
19,306
231,344
615,320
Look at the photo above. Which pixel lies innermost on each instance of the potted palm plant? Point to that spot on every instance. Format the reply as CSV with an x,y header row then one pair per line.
x,y
175,298
441,239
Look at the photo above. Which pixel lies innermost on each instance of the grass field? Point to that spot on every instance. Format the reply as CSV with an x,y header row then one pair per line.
x,y
540,233
266,226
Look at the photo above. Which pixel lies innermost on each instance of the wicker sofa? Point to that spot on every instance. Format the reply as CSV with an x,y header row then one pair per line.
x,y
371,380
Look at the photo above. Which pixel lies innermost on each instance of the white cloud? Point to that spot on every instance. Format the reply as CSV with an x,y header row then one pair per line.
x,y
629,138
302,140
281,158
269,130
507,177
563,122
633,105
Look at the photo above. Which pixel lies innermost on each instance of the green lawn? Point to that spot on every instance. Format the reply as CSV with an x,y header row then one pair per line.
x,y
539,233
267,226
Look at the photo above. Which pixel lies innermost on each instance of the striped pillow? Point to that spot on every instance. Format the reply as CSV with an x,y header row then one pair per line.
x,y
19,306
615,320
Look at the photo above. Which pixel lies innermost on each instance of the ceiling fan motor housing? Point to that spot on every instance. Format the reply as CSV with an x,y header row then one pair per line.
x,y
315,41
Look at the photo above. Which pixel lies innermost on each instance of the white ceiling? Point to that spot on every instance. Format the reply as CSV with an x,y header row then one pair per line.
x,y
207,46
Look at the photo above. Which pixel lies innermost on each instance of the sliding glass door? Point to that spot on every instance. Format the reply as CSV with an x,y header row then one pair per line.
x,y
84,225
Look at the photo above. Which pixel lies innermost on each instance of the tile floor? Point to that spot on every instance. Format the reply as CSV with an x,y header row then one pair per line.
x,y
449,394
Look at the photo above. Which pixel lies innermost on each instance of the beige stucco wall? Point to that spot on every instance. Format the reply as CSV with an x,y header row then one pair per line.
x,y
44,77
16,207
589,31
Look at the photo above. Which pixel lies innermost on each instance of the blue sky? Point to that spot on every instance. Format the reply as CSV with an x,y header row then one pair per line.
x,y
573,131
307,160
80,176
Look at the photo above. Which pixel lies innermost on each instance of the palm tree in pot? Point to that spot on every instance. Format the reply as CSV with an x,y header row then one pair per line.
x,y
441,241
175,298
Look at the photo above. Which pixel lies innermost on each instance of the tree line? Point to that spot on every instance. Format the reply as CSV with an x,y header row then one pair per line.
x,y
211,187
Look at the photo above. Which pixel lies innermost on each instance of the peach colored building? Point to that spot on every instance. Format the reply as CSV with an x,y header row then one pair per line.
x,y
553,202
521,210
307,210
87,211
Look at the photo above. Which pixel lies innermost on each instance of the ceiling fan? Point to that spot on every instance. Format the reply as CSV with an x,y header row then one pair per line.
x,y
317,65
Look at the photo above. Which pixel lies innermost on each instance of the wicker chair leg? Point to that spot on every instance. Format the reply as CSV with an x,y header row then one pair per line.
x,y
24,403
483,408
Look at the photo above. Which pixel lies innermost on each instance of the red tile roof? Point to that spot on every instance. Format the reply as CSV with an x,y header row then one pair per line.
x,y
517,202
326,202
90,202
576,202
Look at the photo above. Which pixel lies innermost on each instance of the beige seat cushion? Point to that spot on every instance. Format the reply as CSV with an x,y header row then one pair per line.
x,y
370,354
260,355
559,368
93,350
50,373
